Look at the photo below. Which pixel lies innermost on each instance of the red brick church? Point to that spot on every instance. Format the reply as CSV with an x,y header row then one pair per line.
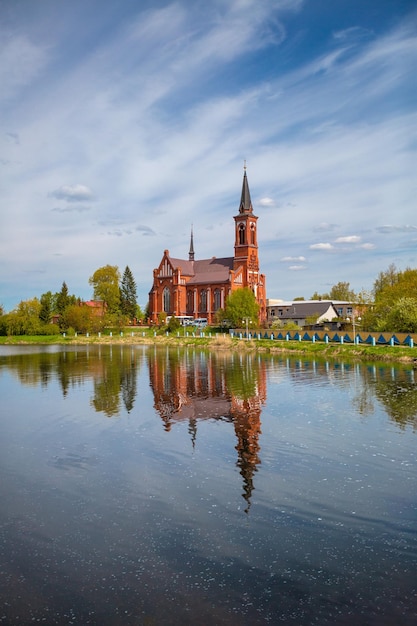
x,y
198,288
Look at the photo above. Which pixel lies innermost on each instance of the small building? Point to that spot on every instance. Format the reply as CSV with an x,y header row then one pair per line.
x,y
97,307
298,311
198,288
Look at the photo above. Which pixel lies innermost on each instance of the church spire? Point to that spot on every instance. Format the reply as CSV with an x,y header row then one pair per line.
x,y
191,251
245,200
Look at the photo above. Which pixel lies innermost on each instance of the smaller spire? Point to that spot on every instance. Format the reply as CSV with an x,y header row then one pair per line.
x,y
191,251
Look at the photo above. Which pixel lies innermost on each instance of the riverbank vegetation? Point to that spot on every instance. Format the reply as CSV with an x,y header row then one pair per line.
x,y
222,341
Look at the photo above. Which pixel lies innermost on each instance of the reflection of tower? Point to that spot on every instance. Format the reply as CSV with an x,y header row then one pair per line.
x,y
247,421
201,386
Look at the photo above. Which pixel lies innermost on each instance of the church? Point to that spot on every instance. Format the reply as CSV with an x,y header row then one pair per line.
x,y
198,288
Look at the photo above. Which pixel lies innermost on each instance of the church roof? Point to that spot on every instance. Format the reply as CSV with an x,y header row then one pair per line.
x,y
205,270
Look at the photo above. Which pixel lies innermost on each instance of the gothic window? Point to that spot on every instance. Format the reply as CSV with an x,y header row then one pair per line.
x,y
190,302
252,234
167,300
217,299
242,234
203,300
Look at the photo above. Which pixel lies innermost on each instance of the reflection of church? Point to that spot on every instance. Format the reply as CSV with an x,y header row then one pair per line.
x,y
189,388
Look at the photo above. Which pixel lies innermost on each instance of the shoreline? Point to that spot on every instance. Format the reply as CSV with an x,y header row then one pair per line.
x,y
358,352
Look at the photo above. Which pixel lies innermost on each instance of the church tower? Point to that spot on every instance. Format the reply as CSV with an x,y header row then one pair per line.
x,y
246,243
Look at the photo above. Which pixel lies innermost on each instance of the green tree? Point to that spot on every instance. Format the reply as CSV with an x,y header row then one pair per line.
x,y
394,292
105,282
128,295
385,280
79,317
62,299
174,324
241,304
320,296
47,303
24,319
342,291
403,316
140,315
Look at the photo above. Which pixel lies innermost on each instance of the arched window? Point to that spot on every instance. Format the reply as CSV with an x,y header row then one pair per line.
x,y
190,302
167,300
217,299
203,300
253,234
242,234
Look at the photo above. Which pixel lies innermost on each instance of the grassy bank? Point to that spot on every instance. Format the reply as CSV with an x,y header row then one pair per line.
x,y
361,352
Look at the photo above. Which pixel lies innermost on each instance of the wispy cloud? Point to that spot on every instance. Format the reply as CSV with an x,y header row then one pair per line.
x,y
72,193
71,209
387,229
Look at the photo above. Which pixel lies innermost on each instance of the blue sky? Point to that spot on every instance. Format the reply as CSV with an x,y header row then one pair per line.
x,y
124,123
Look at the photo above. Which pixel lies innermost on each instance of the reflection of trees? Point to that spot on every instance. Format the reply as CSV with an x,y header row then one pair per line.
x,y
394,387
113,370
396,390
193,386
116,382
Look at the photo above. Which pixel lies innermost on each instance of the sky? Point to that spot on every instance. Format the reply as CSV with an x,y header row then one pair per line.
x,y
125,124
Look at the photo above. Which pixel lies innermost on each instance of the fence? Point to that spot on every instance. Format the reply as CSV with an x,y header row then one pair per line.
x,y
373,339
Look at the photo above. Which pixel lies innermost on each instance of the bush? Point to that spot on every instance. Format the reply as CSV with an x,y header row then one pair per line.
x,y
49,329
173,324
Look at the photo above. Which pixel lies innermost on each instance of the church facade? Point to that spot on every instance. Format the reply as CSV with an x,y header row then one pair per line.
x,y
198,288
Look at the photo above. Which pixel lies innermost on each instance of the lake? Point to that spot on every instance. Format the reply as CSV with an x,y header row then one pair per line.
x,y
144,485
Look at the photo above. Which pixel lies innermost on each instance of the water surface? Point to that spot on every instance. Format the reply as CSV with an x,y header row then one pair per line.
x,y
154,486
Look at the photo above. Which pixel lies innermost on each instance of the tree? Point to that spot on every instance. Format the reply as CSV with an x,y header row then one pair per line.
x,y
174,324
342,291
62,299
403,316
45,313
79,317
105,282
241,304
128,295
395,297
24,320
385,280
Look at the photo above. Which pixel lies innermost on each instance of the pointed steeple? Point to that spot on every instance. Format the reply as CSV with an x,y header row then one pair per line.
x,y
191,251
245,201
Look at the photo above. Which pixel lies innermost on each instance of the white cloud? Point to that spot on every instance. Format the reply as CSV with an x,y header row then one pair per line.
x,y
348,239
321,246
266,202
291,259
